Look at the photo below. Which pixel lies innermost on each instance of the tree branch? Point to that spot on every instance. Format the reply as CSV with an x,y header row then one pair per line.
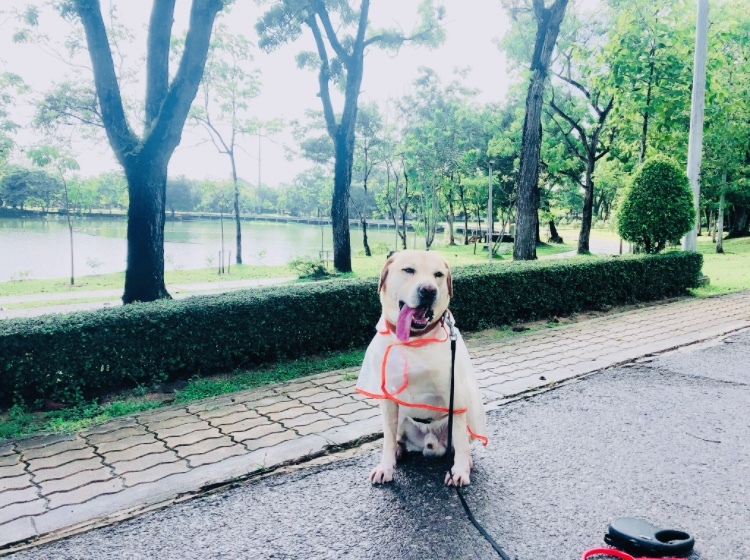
x,y
323,78
321,10
157,62
364,14
120,135
167,128
575,84
571,122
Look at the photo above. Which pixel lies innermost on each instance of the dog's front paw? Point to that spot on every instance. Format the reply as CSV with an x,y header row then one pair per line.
x,y
381,474
458,476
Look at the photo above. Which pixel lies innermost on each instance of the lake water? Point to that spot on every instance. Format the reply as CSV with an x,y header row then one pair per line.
x,y
40,247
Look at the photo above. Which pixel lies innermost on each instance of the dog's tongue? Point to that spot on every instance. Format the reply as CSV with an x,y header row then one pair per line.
x,y
403,326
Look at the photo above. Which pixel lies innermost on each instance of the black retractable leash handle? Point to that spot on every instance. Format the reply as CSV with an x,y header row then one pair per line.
x,y
482,531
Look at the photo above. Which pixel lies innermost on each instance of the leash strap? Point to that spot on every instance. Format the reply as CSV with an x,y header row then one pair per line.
x,y
482,531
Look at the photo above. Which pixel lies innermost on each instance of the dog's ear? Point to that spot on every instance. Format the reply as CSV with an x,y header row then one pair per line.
x,y
384,274
449,280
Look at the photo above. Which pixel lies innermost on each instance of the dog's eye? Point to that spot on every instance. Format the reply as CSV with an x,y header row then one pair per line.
x,y
409,270
439,275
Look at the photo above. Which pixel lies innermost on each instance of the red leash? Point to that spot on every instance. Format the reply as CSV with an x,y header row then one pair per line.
x,y
614,553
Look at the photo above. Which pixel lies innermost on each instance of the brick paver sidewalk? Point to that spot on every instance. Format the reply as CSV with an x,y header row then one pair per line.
x,y
63,483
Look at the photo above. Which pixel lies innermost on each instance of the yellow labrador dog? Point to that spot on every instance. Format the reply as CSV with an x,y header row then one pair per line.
x,y
407,367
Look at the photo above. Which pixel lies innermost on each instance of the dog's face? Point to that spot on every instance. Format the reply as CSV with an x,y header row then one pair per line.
x,y
416,287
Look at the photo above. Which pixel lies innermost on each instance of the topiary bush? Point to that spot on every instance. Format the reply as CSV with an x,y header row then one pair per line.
x,y
74,357
657,208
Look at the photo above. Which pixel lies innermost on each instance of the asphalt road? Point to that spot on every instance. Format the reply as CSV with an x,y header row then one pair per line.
x,y
668,441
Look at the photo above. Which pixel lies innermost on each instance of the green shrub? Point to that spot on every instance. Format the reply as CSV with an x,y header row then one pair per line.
x,y
86,354
657,208
309,268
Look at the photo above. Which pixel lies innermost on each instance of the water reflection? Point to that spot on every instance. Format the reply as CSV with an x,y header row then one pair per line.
x,y
39,247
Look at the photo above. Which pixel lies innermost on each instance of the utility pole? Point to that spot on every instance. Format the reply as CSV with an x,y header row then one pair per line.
x,y
695,145
490,224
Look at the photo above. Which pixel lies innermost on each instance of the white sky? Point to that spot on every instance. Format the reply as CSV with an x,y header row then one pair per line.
x,y
471,26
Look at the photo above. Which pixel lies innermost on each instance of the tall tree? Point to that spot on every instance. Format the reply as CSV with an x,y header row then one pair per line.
x,y
222,106
11,85
548,20
145,158
344,66
580,111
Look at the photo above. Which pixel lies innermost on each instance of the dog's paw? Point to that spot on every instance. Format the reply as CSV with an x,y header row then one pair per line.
x,y
458,477
381,474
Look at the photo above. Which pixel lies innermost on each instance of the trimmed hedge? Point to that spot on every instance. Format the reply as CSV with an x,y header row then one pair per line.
x,y
82,355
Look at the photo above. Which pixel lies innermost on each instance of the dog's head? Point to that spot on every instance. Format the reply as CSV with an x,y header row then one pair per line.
x,y
415,289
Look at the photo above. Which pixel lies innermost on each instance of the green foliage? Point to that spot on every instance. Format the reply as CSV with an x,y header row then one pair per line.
x,y
309,268
658,207
92,353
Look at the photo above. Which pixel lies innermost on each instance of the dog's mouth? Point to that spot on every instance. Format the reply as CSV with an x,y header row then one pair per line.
x,y
412,319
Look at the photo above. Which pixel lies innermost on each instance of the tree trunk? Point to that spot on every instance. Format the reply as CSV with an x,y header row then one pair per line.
x,y
644,128
363,221
237,209
144,276
588,206
344,149
462,195
554,237
720,220
451,219
548,27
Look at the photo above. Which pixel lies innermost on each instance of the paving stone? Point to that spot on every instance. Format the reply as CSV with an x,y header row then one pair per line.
x,y
127,443
54,449
34,442
345,409
194,437
333,378
287,388
10,460
258,432
135,452
74,481
155,473
9,513
7,449
320,397
305,419
67,469
16,531
320,426
204,446
306,392
15,469
163,416
18,496
289,413
143,463
14,483
123,433
343,385
245,425
215,403
61,459
235,418
220,412
182,420
364,414
270,440
184,430
216,455
85,493
279,406
110,426
351,432
334,400
254,395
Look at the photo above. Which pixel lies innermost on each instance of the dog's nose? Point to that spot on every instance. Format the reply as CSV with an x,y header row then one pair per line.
x,y
430,446
427,293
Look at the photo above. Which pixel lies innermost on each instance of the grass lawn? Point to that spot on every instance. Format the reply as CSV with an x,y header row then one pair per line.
x,y
730,271
458,255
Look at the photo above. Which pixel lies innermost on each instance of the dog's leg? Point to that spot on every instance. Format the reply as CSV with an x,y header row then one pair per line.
x,y
384,471
462,457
